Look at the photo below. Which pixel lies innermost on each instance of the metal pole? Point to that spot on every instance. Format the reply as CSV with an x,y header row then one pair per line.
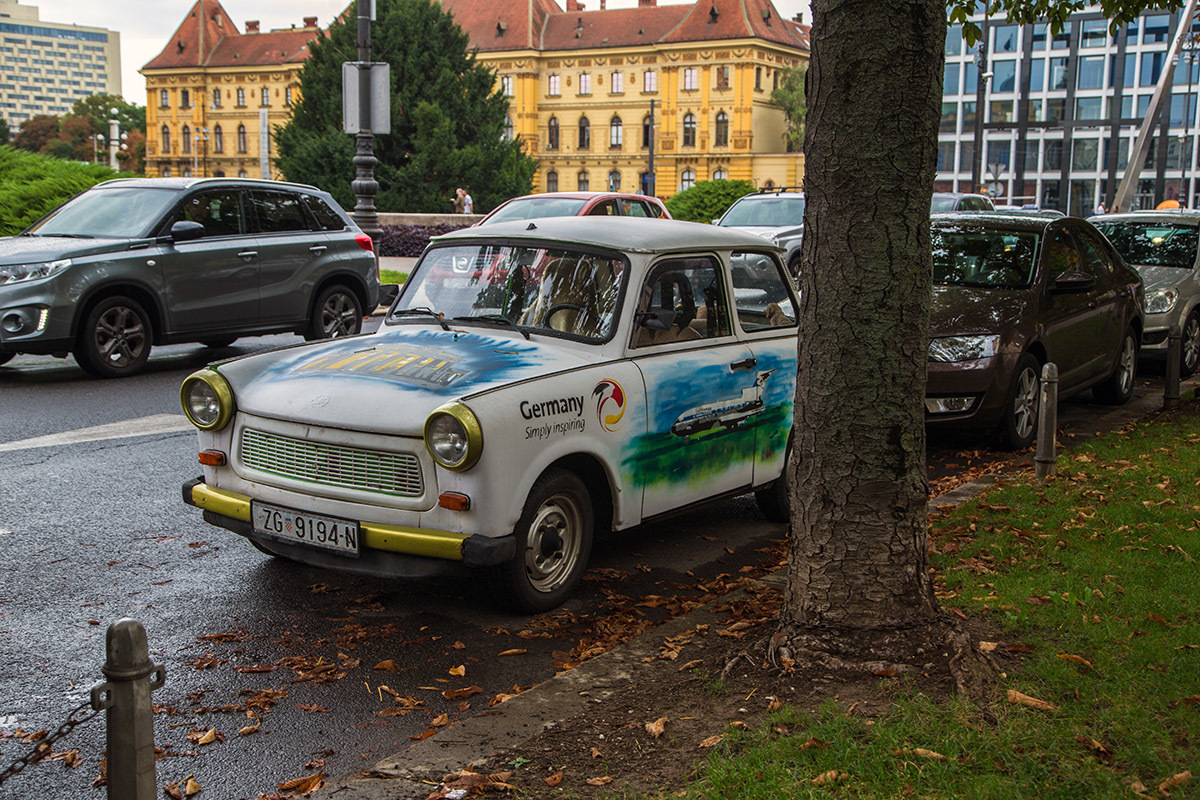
x,y
651,182
980,103
1174,357
132,676
364,184
1046,454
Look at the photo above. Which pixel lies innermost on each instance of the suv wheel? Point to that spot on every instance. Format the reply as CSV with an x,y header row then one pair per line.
x,y
114,340
336,313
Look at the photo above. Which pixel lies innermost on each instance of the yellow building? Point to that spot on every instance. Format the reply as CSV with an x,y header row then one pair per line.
x,y
214,94
582,86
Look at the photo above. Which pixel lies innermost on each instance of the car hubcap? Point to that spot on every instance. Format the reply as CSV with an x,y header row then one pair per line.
x,y
338,316
1125,366
552,549
1025,403
1191,342
120,336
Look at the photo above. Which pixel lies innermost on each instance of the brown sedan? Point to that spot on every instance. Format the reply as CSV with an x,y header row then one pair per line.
x,y
1011,293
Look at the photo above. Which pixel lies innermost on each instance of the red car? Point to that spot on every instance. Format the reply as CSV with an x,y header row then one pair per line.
x,y
577,204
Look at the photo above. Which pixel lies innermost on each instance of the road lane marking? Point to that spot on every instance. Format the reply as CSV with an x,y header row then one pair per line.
x,y
145,426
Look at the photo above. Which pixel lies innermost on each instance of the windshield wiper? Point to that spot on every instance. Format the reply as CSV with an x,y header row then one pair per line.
x,y
498,319
424,312
67,235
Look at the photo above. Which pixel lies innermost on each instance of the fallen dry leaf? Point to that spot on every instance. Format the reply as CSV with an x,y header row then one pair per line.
x,y
461,694
599,781
657,727
1032,702
173,791
826,778
1175,781
209,737
555,779
191,788
458,671
303,785
516,651
387,664
922,753
1077,660
423,735
739,725
440,720
987,647
1099,749
814,742
773,704
595,753
712,741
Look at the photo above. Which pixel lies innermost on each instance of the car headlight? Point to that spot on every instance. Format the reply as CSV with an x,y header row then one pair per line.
x,y
454,437
952,349
18,273
207,400
1161,301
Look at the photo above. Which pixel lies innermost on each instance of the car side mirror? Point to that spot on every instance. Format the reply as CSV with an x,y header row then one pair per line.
x,y
1073,281
716,222
186,231
657,320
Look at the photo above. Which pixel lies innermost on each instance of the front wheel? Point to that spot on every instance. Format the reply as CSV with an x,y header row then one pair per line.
x,y
1189,345
336,313
1018,428
1117,388
554,540
115,338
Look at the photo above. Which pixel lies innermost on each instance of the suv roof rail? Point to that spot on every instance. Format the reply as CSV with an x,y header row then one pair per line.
x,y
778,189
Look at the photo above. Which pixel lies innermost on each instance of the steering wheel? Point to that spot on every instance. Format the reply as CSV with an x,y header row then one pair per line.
x,y
557,307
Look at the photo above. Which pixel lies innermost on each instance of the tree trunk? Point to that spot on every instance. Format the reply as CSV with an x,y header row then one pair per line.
x,y
858,566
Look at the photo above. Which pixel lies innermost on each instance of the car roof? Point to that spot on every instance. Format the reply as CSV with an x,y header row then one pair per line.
x,y
1185,216
960,194
181,184
997,219
636,234
581,195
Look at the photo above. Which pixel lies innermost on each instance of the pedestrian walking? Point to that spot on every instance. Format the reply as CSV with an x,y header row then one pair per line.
x,y
468,203
460,201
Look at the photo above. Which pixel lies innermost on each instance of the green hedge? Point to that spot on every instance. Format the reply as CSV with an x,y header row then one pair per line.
x,y
707,200
33,184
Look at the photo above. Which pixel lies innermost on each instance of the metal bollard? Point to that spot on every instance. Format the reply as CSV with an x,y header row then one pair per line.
x,y
125,697
1044,459
1174,359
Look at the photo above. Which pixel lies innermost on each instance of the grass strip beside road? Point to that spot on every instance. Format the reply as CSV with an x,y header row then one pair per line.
x,y
1091,582
392,276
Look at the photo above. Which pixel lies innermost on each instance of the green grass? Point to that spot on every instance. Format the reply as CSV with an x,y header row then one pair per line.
x,y
392,276
1098,564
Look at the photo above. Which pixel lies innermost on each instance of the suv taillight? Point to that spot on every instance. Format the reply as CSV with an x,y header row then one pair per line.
x,y
365,243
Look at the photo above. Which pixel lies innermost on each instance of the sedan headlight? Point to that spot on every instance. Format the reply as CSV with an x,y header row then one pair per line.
x,y
952,349
207,400
454,437
19,273
1161,301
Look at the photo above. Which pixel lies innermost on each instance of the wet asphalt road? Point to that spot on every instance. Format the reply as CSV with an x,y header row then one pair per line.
x,y
95,531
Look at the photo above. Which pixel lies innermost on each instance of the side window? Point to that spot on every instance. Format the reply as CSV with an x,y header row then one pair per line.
x,y
326,217
682,300
635,208
219,212
1062,256
1099,262
279,211
760,294
606,209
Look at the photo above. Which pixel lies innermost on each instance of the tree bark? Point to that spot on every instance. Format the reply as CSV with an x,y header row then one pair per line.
x,y
858,568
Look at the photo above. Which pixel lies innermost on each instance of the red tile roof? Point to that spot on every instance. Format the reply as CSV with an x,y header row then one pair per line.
x,y
503,24
710,20
219,43
255,49
622,27
195,37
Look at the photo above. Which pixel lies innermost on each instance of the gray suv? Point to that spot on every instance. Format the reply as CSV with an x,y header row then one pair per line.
x,y
775,214
137,262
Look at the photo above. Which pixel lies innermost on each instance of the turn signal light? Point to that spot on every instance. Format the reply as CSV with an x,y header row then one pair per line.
x,y
365,242
212,458
454,501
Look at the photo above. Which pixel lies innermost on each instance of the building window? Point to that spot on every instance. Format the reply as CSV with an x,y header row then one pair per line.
x,y
687,180
949,123
585,133
585,83
1062,39
166,172
758,79
1091,73
689,78
553,87
614,181
720,174
689,130
241,98
647,130
266,96
1093,33
216,98
506,86
1157,29
243,174
218,140
721,131
723,77
616,84
551,181
241,139
649,81
184,99
187,140
166,140
615,133
582,180
508,128
187,172
164,100
287,96
1004,76
1006,39
552,134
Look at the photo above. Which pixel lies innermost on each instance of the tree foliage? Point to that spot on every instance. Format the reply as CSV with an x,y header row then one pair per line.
x,y
707,200
98,108
32,185
5,131
447,119
36,132
790,95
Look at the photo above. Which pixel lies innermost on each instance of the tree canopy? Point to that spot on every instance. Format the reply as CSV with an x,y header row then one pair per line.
x,y
448,120
790,95
707,200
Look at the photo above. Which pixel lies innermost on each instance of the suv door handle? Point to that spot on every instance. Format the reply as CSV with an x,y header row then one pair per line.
x,y
746,363
318,248
248,254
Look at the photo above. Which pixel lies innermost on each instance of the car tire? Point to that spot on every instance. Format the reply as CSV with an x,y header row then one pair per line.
x,y
1189,345
336,313
554,540
6,357
794,268
216,343
1117,388
115,338
775,501
1018,427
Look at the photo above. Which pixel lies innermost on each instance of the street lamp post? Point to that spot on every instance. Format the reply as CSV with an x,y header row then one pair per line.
x,y
114,138
981,60
1189,52
97,143
364,185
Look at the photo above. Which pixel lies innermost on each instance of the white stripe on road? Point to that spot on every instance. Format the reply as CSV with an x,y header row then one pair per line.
x,y
145,426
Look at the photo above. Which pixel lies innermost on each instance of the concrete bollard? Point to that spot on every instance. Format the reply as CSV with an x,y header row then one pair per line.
x,y
1174,364
125,697
1046,455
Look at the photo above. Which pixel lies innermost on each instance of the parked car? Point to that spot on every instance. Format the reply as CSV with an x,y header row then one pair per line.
x,y
1164,246
1034,211
776,214
592,374
133,263
577,204
947,202
1012,293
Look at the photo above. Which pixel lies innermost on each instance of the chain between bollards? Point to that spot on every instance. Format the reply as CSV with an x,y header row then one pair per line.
x,y
1174,363
1044,459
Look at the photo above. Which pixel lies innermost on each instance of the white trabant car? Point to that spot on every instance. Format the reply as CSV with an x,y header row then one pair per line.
x,y
534,383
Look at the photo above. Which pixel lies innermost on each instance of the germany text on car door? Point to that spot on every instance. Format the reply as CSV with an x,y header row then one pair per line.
x,y
766,314
1073,324
291,255
212,281
702,388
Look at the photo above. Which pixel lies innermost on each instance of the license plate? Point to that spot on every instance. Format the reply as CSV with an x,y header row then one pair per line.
x,y
329,533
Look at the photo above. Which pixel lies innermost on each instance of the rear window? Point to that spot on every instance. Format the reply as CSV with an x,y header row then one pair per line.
x,y
327,218
536,207
279,211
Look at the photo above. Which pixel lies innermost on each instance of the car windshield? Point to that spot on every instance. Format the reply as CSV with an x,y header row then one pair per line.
x,y
766,211
983,257
553,290
535,207
1154,244
126,212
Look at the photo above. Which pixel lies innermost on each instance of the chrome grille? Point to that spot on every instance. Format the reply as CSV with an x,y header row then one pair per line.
x,y
332,465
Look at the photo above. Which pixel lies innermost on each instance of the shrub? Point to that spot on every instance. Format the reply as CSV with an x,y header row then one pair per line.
x,y
707,200
32,185
410,240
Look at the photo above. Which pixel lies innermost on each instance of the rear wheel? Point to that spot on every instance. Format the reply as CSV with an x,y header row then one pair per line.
x,y
1018,428
115,338
336,313
1117,388
1189,345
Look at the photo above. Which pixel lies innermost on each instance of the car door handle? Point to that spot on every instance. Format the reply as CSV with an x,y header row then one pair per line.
x,y
248,254
745,363
318,249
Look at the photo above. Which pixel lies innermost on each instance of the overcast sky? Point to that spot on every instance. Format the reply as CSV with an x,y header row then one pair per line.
x,y
144,25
